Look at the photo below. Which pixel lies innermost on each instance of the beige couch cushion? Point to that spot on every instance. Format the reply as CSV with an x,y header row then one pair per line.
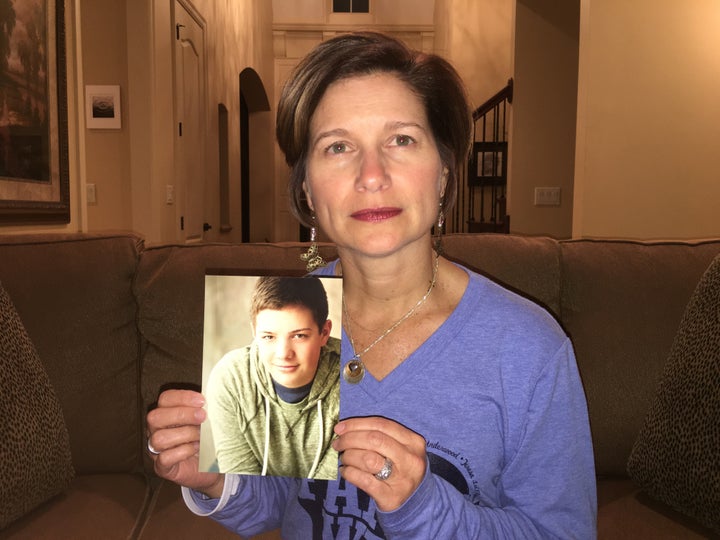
x,y
528,265
74,296
608,287
36,463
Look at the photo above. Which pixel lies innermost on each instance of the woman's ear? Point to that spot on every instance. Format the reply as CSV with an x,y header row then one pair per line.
x,y
308,195
443,181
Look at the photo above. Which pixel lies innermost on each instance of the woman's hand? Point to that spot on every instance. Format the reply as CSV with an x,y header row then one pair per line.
x,y
365,443
174,433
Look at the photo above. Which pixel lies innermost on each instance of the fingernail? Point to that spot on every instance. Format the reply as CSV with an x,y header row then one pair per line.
x,y
200,415
198,401
339,428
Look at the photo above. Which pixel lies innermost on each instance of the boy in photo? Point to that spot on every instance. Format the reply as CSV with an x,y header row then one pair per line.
x,y
272,404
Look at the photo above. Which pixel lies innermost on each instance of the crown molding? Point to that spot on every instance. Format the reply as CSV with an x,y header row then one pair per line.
x,y
330,28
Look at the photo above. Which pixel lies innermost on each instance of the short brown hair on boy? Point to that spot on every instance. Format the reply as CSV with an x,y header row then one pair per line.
x,y
279,292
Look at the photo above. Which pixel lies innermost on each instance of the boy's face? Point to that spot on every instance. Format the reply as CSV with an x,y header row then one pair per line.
x,y
289,344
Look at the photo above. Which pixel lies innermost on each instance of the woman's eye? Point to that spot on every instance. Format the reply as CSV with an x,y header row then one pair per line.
x,y
337,148
267,338
403,140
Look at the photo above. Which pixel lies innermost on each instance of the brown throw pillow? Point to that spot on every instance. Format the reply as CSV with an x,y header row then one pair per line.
x,y
676,457
36,463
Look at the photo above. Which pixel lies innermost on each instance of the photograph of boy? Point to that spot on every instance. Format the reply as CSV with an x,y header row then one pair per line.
x,y
272,404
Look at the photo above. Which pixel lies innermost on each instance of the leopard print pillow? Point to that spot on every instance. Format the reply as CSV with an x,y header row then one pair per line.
x,y
36,463
676,457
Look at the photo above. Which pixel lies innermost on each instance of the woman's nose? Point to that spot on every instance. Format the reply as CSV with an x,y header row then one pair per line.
x,y
373,174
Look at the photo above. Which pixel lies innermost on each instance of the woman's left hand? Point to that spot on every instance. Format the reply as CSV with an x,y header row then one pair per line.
x,y
365,443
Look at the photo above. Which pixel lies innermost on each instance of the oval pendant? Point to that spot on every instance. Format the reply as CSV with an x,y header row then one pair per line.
x,y
354,371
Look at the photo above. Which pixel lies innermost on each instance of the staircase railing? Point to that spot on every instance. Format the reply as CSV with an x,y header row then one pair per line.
x,y
482,189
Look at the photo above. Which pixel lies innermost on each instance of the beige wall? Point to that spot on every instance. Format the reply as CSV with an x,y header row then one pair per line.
x,y
647,162
107,151
640,160
476,37
237,36
130,43
542,139
318,12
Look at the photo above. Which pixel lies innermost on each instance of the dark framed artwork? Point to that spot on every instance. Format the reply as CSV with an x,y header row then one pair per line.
x,y
34,172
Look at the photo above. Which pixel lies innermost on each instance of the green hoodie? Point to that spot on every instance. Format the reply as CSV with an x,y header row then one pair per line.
x,y
253,429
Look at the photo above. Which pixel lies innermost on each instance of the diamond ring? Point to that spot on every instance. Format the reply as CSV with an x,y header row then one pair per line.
x,y
386,471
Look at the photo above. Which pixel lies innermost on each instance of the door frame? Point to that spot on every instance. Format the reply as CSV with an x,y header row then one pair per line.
x,y
180,191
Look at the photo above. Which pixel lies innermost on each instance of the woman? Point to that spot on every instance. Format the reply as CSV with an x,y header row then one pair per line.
x,y
463,412
273,404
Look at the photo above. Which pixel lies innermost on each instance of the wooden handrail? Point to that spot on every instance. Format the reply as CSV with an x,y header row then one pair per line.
x,y
505,93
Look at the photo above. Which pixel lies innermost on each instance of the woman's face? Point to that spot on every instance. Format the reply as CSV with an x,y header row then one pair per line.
x,y
289,343
374,174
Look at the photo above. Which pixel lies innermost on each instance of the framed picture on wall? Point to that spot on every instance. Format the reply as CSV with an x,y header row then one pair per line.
x,y
34,175
102,107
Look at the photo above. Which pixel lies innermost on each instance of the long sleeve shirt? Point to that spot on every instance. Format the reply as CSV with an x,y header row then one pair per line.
x,y
496,394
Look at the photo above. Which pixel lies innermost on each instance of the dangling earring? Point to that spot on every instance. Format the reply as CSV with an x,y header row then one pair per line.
x,y
312,255
439,229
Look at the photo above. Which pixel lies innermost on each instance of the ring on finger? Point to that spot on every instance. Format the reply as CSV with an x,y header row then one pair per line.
x,y
151,449
386,471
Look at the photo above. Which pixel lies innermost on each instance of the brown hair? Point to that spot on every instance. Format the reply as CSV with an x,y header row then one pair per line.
x,y
433,80
279,292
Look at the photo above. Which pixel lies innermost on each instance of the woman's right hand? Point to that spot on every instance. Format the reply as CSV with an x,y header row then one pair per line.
x,y
174,432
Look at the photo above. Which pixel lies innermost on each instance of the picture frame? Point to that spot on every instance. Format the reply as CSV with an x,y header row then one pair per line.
x,y
488,163
102,107
34,167
229,332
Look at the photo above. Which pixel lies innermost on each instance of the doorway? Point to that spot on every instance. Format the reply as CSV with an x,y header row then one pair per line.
x,y
256,193
190,136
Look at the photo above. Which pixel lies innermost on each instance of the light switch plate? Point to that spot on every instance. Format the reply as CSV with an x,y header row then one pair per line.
x,y
547,196
91,193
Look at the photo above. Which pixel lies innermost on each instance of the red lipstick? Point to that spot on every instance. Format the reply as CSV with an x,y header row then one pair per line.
x,y
371,215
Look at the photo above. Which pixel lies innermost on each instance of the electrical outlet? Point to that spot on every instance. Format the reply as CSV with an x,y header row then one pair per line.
x,y
547,196
91,193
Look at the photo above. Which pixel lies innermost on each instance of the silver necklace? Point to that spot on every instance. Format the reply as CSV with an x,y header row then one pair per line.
x,y
354,370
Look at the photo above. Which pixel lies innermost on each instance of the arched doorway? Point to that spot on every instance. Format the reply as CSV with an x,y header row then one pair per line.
x,y
253,130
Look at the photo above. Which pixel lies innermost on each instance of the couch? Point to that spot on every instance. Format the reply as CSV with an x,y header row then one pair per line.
x,y
114,322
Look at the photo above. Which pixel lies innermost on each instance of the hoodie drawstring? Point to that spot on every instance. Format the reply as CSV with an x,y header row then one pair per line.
x,y
318,452
266,452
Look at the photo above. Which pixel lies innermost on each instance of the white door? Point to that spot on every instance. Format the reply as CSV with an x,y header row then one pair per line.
x,y
190,129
